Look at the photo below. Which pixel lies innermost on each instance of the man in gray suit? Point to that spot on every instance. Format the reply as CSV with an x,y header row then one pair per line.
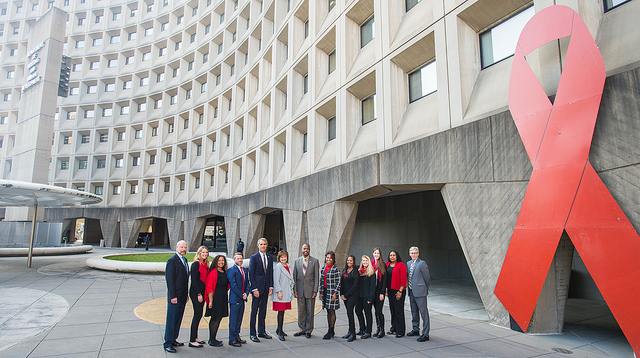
x,y
305,276
418,284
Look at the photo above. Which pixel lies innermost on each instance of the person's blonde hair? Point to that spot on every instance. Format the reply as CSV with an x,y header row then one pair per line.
x,y
197,257
370,270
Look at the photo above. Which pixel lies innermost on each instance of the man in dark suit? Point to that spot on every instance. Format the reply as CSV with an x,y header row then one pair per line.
x,y
238,292
418,279
305,277
177,277
261,278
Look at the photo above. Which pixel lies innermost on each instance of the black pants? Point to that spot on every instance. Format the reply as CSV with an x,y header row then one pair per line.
x,y
397,311
378,311
259,311
214,323
350,303
197,315
366,320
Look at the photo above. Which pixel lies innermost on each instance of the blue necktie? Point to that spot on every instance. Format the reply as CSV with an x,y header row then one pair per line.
x,y
186,267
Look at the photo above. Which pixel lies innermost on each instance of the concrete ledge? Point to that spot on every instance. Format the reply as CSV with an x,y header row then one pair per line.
x,y
101,263
45,251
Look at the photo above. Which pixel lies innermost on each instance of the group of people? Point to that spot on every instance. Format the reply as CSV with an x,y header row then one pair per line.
x,y
218,291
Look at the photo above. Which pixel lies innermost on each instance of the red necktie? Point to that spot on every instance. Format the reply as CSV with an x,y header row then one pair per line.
x,y
242,273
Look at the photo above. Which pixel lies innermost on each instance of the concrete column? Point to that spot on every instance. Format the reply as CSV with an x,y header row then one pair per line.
x,y
110,232
129,230
175,228
193,231
331,228
232,226
484,216
252,226
294,231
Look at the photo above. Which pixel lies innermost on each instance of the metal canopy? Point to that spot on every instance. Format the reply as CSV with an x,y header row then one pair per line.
x,y
20,193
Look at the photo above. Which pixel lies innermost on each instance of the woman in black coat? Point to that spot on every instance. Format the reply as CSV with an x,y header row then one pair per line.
x,y
367,287
381,290
349,293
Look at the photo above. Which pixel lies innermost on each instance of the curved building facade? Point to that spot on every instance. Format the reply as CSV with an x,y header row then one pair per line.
x,y
346,124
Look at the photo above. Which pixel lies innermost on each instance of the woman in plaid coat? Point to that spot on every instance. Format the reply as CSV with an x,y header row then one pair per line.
x,y
329,288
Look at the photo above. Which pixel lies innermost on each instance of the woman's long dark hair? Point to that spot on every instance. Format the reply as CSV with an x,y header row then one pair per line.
x,y
380,265
214,263
398,258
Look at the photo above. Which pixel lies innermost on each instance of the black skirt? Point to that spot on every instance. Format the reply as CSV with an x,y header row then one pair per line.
x,y
220,299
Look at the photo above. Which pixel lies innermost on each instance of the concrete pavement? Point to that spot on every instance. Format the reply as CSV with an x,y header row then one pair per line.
x,y
62,308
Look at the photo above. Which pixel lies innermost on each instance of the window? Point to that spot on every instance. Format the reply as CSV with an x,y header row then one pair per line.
x,y
104,137
99,19
149,188
369,109
148,31
134,189
233,37
184,154
199,150
16,30
116,189
203,88
214,145
82,164
181,184
77,67
176,72
366,32
109,87
200,118
205,57
132,36
422,81
129,60
4,119
152,159
116,16
80,44
6,97
409,4
11,74
124,110
92,89
112,63
94,65
194,11
164,26
197,183
218,78
192,38
232,69
133,12
160,77
222,17
81,21
107,112
98,190
154,131
127,84
146,56
306,28
332,61
162,51
499,42
305,83
64,165
85,138
177,45
170,128
118,163
186,124
144,81
120,136
135,161
101,163
97,42
179,20
207,28
157,103
610,4
149,7
167,186
138,134
173,99
190,66
14,51
187,94
332,4
114,39
142,107
168,157
331,129
67,139
89,113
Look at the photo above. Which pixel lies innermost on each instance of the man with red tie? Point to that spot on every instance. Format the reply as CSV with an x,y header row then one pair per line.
x,y
238,292
261,278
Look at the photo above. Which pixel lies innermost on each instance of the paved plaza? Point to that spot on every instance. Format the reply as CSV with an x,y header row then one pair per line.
x,y
62,308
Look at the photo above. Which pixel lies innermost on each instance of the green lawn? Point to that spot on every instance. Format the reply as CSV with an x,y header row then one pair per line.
x,y
147,257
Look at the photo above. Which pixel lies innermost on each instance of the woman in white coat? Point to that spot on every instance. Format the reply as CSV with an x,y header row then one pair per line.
x,y
282,290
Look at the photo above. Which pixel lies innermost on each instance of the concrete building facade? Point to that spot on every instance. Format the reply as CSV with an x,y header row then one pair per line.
x,y
346,124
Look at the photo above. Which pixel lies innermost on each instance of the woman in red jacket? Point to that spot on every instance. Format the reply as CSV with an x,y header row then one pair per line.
x,y
397,283
217,297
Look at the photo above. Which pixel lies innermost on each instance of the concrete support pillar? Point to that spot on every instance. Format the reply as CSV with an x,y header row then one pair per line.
x,y
193,231
232,227
252,226
175,228
129,230
331,227
484,216
294,223
110,232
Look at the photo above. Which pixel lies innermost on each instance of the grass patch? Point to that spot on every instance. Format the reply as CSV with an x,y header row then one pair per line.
x,y
148,257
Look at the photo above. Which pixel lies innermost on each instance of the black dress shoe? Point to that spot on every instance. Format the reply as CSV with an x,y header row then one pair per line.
x,y
215,343
264,335
170,349
308,335
413,333
352,338
381,334
423,338
346,335
298,334
399,335
177,344
235,344
365,336
281,336
196,345
241,341
360,332
254,339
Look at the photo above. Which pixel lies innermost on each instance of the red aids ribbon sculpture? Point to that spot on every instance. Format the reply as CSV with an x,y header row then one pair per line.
x,y
565,192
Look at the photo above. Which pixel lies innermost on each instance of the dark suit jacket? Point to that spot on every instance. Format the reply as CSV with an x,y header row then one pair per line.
x,y
349,287
235,283
177,279
260,279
